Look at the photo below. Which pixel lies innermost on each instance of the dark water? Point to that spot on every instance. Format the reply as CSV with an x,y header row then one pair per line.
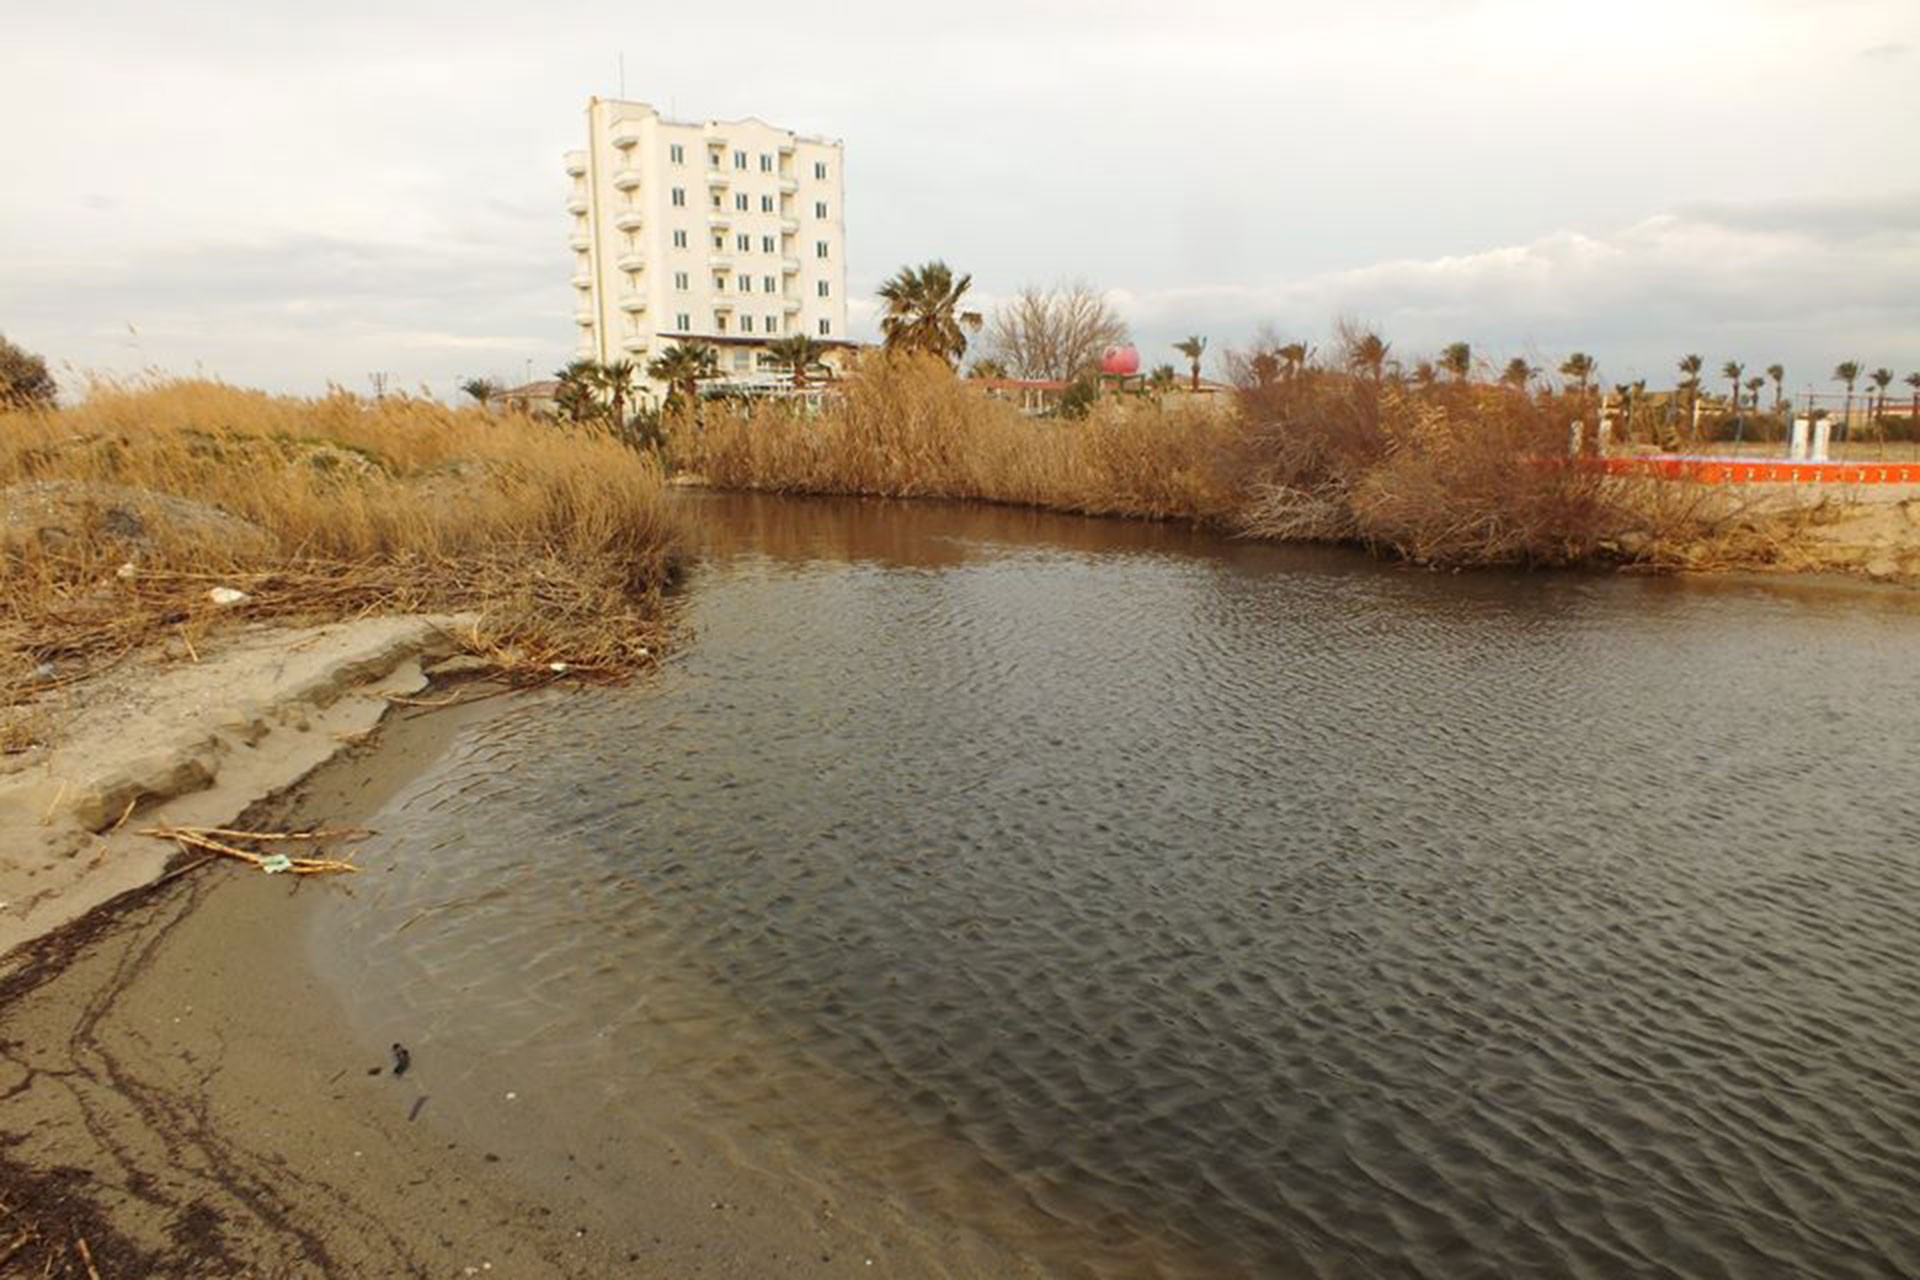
x,y
1172,907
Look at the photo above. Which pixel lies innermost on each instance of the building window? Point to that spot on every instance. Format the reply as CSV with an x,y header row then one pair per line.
x,y
680,237
719,243
819,208
680,281
821,288
820,170
744,284
766,163
739,159
746,324
713,157
773,324
825,328
683,322
769,285
677,153
741,202
719,322
679,197
743,242
766,244
719,284
820,249
716,200
766,204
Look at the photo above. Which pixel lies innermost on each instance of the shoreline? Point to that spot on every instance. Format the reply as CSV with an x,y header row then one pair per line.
x,y
189,741
188,1096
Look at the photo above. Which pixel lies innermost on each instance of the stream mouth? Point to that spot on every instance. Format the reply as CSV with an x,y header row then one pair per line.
x,y
1166,906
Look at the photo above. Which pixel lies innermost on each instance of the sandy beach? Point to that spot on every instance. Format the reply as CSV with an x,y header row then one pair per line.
x,y
184,1098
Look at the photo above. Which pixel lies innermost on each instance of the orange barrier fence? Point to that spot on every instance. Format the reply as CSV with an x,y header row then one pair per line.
x,y
1760,470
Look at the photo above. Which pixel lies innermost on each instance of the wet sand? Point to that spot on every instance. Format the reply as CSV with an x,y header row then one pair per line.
x,y
184,1097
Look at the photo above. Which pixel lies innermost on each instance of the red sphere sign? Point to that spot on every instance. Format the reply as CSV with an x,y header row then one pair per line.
x,y
1120,360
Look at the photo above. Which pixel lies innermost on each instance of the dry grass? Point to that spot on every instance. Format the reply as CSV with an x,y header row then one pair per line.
x,y
1456,474
559,539
906,427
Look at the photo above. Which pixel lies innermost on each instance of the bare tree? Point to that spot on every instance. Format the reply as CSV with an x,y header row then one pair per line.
x,y
1058,332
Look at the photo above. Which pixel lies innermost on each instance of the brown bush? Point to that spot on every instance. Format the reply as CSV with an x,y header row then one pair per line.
x,y
560,539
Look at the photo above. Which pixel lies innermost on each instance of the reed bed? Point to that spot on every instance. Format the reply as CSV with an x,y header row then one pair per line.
x,y
119,516
1450,475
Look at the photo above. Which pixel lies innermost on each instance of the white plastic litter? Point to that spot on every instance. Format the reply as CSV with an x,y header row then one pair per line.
x,y
226,596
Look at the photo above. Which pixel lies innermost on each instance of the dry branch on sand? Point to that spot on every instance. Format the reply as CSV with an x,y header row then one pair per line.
x,y
221,842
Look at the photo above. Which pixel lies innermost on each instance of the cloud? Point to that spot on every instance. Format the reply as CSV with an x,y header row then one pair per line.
x,y
1807,282
297,311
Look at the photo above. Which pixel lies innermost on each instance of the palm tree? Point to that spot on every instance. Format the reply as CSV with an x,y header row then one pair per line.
x,y
1913,420
1368,354
1754,384
924,312
577,396
481,389
1690,367
1163,378
1580,367
1518,373
801,353
1778,372
1881,379
1847,371
682,365
1425,374
1193,348
1294,354
1457,359
1733,371
987,367
615,380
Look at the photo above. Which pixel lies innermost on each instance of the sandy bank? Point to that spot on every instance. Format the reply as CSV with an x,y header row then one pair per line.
x,y
190,742
187,1095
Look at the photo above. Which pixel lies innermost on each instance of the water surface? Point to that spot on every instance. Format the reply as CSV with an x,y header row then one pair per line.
x,y
1174,907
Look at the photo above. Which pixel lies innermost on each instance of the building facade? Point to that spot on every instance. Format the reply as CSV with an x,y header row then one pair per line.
x,y
729,231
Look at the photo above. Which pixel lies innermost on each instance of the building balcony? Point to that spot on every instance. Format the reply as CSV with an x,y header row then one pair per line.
x,y
584,319
579,243
577,203
634,342
630,261
625,135
632,302
723,304
629,219
788,186
583,282
791,306
576,164
790,266
719,218
721,262
717,178
626,179
789,226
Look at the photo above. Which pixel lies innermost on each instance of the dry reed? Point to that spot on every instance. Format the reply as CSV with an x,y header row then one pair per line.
x,y
1457,474
558,539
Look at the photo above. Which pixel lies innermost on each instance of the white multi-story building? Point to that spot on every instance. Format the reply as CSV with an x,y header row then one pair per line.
x,y
731,232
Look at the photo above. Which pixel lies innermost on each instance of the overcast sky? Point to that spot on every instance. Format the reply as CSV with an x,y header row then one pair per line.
x,y
290,195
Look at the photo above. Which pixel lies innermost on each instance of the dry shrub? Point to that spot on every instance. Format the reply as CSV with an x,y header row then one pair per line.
x,y
1452,474
560,539
905,426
